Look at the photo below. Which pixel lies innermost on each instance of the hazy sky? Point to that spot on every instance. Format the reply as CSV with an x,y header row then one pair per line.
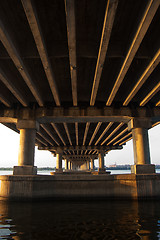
x,y
9,142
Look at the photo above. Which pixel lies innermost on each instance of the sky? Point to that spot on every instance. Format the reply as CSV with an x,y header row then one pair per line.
x,y
9,143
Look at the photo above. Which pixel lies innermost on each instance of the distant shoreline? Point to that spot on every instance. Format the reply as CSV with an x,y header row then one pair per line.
x,y
118,167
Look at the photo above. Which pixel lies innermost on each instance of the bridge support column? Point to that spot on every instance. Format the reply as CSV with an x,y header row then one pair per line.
x,y
69,165
141,150
101,162
83,166
92,164
88,165
59,162
66,164
26,148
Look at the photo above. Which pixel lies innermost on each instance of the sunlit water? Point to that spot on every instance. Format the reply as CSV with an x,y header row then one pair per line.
x,y
91,220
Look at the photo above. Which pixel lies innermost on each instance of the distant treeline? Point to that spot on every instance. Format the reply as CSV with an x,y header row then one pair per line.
x,y
119,167
39,169
125,167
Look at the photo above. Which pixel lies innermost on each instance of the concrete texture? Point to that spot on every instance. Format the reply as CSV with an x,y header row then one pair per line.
x,y
141,146
24,170
101,161
80,186
143,169
26,147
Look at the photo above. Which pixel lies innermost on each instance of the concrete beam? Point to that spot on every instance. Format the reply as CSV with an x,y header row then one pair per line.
x,y
15,56
6,81
71,31
150,68
106,33
95,132
124,142
76,132
50,133
139,123
76,114
58,133
86,132
117,136
87,148
67,132
37,34
5,101
121,139
145,22
27,124
80,156
155,90
112,133
104,132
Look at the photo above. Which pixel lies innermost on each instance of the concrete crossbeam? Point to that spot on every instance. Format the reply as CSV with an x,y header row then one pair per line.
x,y
63,148
77,114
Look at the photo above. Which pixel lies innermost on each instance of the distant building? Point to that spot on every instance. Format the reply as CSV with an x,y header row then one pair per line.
x,y
113,165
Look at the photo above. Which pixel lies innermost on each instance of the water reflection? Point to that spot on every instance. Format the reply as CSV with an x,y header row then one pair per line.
x,y
6,227
109,220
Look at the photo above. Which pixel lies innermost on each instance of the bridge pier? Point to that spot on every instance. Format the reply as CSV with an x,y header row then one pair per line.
x,y
26,148
88,165
92,164
69,165
101,162
66,164
59,162
141,150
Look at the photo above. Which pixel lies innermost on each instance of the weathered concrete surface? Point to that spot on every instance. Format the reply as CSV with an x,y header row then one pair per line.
x,y
24,170
143,168
81,186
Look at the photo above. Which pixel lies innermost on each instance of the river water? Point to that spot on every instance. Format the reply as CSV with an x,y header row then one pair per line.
x,y
110,220
87,220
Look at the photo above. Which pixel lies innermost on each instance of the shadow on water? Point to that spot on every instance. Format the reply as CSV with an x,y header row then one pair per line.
x,y
80,220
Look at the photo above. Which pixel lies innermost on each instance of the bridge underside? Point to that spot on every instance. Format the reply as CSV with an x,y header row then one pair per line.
x,y
79,79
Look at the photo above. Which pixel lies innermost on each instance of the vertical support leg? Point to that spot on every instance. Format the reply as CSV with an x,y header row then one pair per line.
x,y
92,164
26,148
59,163
141,147
101,162
66,164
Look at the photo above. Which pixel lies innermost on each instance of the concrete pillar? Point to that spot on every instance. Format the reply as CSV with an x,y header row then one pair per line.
x,y
141,146
92,164
88,165
101,162
26,148
83,166
59,162
66,164
69,165
141,150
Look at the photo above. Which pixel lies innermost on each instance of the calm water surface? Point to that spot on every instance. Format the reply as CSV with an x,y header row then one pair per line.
x,y
80,220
